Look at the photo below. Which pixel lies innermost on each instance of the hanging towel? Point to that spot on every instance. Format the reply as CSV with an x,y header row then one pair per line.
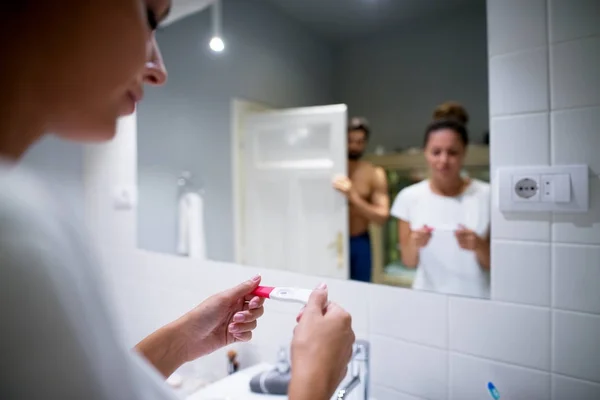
x,y
192,241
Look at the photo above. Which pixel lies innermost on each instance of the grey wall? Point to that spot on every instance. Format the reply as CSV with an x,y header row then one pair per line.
x,y
397,79
186,125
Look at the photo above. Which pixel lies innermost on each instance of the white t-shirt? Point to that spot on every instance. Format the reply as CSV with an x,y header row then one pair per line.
x,y
57,340
443,266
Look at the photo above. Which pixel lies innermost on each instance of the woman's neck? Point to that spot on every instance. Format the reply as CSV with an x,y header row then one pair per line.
x,y
449,187
23,116
20,125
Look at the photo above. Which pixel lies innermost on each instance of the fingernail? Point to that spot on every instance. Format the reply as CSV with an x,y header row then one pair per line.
x,y
322,286
233,328
256,278
238,318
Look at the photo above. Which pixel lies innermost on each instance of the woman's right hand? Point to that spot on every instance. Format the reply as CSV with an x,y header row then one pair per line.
x,y
321,348
420,237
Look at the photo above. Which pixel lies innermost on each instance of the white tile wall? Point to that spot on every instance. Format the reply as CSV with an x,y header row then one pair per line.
x,y
576,137
519,82
504,332
576,345
414,369
509,32
524,266
576,271
573,389
469,377
575,65
573,19
561,265
427,346
383,393
390,308
531,132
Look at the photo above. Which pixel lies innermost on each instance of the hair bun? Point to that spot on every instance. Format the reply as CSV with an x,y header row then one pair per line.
x,y
451,110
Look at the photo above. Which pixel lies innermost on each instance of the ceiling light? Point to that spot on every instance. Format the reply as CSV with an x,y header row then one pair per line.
x,y
216,44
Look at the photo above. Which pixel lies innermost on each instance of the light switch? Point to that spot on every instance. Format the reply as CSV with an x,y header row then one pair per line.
x,y
562,192
555,188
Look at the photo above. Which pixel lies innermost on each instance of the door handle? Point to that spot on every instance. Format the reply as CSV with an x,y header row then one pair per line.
x,y
338,245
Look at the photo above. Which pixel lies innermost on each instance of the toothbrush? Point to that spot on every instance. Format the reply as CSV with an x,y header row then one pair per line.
x,y
288,294
493,391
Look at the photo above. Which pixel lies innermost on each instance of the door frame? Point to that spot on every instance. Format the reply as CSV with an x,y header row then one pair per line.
x,y
240,109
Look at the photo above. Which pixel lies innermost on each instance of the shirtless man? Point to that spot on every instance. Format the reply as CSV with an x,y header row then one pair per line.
x,y
367,193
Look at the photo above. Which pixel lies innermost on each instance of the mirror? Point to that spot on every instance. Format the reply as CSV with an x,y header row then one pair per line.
x,y
270,103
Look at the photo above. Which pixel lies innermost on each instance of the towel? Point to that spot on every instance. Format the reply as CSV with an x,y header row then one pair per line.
x,y
192,241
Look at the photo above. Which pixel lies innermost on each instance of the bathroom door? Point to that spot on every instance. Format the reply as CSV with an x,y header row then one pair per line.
x,y
294,219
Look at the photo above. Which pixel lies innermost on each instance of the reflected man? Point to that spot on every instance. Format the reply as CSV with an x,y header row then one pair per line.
x,y
366,189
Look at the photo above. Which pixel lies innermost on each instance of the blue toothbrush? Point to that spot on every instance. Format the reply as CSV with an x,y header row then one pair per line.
x,y
493,391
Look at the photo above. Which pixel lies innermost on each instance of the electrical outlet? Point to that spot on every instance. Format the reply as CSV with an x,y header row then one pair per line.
x,y
543,188
526,188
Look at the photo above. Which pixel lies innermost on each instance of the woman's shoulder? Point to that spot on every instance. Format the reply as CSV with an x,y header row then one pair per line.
x,y
416,189
407,198
32,221
480,187
23,196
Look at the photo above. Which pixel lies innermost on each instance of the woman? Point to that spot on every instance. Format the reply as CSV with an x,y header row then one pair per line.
x,y
73,67
444,221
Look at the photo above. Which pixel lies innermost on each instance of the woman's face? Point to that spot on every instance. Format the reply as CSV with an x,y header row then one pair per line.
x,y
445,153
97,57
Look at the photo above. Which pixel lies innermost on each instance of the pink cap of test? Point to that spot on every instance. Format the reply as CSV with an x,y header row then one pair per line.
x,y
263,291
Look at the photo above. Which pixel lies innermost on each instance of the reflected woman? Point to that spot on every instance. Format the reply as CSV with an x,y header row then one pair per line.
x,y
444,221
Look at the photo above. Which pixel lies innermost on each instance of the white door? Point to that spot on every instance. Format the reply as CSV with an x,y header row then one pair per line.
x,y
294,219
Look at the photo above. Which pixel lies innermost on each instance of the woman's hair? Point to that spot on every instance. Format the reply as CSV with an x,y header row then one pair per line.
x,y
448,123
451,110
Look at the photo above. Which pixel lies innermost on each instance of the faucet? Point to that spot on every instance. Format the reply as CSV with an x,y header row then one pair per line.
x,y
358,371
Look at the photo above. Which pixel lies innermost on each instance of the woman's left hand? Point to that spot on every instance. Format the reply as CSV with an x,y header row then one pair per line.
x,y
222,319
467,239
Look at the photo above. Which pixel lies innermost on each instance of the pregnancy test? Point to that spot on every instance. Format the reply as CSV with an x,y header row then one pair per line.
x,y
444,228
288,294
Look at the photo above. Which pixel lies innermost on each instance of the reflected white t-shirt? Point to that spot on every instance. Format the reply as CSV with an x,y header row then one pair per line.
x,y
443,266
57,339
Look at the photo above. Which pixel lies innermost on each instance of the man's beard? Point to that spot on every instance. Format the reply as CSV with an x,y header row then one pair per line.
x,y
354,156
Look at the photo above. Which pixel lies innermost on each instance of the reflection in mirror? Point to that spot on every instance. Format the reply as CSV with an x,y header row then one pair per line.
x,y
344,139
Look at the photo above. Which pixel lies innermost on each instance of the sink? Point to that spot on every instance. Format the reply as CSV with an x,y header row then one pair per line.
x,y
236,387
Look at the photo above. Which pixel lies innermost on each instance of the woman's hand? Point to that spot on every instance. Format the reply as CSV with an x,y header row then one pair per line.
x,y
321,348
420,237
222,319
467,239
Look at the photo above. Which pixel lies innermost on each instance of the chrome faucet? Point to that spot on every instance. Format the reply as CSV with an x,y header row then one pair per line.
x,y
358,372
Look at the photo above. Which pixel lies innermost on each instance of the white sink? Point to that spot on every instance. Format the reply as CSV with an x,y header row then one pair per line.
x,y
236,387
